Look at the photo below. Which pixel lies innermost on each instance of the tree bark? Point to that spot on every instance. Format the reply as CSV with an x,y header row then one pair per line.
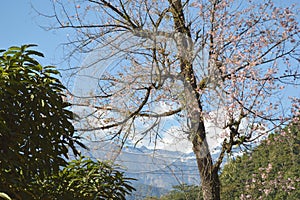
x,y
209,175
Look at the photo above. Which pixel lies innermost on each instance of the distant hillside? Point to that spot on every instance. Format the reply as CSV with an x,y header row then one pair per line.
x,y
271,171
143,191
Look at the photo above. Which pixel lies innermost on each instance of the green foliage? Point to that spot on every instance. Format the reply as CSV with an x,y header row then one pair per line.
x,y
36,133
271,171
87,179
35,127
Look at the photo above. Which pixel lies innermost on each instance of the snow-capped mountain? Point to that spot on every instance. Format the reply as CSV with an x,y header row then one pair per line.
x,y
156,171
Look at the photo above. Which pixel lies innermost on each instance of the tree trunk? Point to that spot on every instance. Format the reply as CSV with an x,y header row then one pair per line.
x,y
208,173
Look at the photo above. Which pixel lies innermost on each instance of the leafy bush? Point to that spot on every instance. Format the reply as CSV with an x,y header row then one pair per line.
x,y
36,133
35,125
87,179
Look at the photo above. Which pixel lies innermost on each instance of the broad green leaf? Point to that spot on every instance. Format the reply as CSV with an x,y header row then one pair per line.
x,y
33,52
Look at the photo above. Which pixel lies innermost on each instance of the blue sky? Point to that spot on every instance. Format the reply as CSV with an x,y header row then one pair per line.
x,y
20,24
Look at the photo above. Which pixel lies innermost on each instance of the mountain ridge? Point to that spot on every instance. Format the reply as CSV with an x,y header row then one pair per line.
x,y
156,171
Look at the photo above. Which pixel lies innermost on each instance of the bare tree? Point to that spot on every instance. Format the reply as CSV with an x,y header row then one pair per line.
x,y
224,61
